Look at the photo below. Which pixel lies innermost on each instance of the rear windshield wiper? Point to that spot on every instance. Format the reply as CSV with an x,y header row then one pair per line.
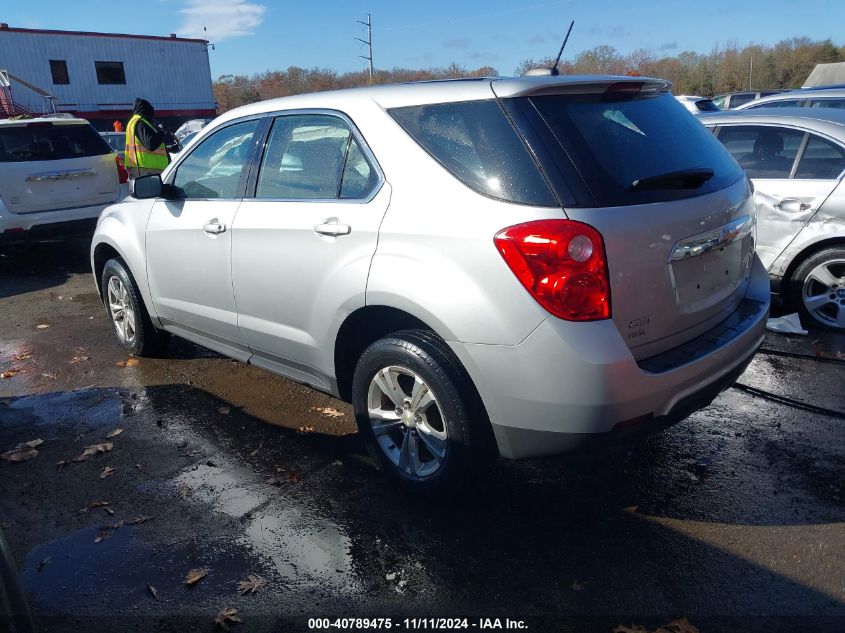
x,y
683,179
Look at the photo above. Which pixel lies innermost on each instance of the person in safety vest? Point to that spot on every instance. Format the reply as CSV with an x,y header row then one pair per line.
x,y
145,142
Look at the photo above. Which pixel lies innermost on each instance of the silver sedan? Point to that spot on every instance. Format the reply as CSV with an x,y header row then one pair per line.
x,y
796,159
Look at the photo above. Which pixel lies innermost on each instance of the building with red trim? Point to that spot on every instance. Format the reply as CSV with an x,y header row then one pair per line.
x,y
97,76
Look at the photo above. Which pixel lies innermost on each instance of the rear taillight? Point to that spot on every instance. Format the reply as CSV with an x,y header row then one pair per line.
x,y
562,264
122,174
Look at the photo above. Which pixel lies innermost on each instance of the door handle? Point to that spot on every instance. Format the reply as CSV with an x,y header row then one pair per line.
x,y
792,205
214,227
333,228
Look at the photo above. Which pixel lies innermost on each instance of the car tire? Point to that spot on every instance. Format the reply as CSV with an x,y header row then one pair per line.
x,y
817,289
442,440
126,311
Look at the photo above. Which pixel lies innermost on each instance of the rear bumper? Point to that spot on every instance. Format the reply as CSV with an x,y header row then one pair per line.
x,y
571,384
51,225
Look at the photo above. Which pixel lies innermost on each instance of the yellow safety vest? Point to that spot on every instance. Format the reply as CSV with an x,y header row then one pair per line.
x,y
137,155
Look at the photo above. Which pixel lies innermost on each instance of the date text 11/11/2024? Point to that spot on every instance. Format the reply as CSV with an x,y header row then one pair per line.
x,y
415,624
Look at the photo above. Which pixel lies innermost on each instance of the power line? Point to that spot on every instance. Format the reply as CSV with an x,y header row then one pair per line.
x,y
368,42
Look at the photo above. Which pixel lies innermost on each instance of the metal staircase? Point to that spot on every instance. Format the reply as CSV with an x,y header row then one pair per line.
x,y
10,108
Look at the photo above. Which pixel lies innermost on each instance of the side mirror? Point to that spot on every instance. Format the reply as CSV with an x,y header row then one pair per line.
x,y
145,187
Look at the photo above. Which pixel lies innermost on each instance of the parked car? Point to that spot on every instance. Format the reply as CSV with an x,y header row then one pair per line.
x,y
183,143
117,142
796,159
56,176
696,104
731,100
401,248
189,127
805,98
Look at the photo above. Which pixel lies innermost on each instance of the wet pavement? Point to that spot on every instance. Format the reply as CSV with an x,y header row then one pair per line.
x,y
734,519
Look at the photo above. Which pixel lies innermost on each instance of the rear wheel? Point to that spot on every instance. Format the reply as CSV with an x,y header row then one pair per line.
x,y
418,412
125,308
817,288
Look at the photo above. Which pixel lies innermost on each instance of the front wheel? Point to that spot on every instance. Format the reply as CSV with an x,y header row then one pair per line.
x,y
817,288
418,412
129,318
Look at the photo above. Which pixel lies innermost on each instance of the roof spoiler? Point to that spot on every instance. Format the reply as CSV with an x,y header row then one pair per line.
x,y
572,84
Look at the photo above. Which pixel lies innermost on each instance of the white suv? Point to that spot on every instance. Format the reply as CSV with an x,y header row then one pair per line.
x,y
56,176
505,266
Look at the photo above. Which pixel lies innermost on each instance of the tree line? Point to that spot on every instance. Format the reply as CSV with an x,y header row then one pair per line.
x,y
724,69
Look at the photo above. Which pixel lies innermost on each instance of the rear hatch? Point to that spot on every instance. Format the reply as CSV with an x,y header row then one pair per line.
x,y
672,205
55,165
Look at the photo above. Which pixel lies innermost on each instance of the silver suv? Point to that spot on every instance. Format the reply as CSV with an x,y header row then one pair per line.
x,y
482,267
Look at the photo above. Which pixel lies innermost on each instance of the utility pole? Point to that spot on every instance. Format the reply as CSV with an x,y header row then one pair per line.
x,y
750,71
368,42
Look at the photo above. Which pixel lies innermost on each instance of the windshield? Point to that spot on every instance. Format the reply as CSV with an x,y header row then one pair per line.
x,y
613,143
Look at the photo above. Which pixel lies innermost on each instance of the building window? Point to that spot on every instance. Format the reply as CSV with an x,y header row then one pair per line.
x,y
110,73
58,68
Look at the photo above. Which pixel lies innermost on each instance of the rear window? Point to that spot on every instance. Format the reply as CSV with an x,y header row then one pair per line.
x,y
476,142
641,149
47,141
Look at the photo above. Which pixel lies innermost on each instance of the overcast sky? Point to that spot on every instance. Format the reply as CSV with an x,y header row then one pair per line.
x,y
255,35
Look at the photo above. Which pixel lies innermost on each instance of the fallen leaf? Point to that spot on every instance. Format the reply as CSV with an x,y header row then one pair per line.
x,y
678,626
229,614
329,412
129,362
94,449
675,626
224,410
114,433
577,586
108,470
194,575
254,453
252,584
96,504
79,359
102,535
153,591
22,452
9,373
294,476
43,326
21,356
306,429
43,563
138,520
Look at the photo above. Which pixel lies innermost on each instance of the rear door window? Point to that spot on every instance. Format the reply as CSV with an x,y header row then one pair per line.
x,y
821,160
476,142
786,103
41,141
314,157
762,151
637,149
742,98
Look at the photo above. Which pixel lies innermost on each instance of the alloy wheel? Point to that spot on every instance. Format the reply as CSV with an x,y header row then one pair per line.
x,y
407,421
823,293
121,310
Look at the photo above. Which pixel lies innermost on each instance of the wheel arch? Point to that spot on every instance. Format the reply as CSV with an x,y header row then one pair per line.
x,y
361,328
803,255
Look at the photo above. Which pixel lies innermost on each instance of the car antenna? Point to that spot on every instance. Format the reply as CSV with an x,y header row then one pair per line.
x,y
539,72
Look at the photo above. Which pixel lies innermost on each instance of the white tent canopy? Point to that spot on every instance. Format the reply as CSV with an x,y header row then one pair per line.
x,y
826,75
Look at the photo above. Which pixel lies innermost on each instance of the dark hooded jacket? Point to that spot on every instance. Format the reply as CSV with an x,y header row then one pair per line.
x,y
151,138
